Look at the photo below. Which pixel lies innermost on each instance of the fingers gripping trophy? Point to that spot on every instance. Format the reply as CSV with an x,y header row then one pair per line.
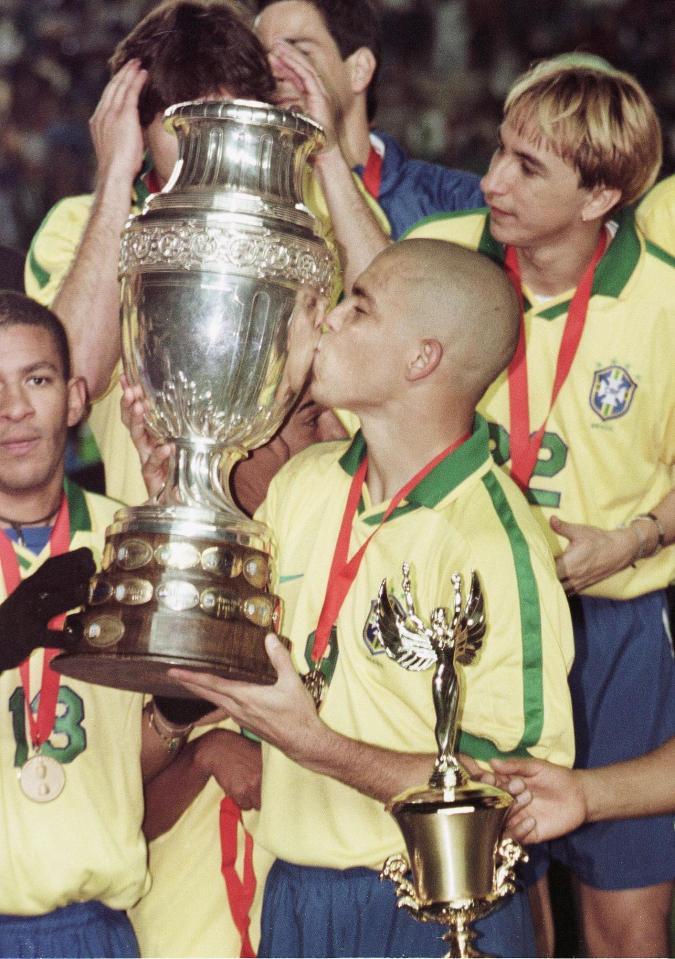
x,y
461,867
224,278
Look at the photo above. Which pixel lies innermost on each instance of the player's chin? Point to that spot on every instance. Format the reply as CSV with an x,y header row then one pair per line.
x,y
320,389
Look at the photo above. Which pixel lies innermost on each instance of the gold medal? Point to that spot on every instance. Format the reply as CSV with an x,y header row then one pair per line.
x,y
315,683
42,778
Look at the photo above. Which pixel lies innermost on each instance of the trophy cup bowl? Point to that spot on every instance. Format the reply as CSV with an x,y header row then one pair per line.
x,y
452,827
461,866
220,273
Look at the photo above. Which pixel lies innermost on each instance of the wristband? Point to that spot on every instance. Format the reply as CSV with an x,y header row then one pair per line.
x,y
661,541
173,737
660,531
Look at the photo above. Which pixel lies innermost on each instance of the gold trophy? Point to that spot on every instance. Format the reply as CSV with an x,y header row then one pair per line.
x,y
461,866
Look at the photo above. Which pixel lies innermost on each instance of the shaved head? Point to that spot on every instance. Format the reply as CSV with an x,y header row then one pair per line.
x,y
460,298
428,326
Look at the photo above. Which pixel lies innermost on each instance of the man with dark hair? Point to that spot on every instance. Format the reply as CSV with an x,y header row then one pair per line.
x,y
325,55
16,309
74,858
182,50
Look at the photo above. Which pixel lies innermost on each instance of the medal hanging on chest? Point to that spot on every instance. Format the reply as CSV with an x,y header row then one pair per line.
x,y
42,777
525,445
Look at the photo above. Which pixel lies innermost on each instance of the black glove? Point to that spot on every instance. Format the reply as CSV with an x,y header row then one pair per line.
x,y
182,712
60,584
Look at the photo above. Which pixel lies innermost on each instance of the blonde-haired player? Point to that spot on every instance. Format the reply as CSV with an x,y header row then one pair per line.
x,y
578,142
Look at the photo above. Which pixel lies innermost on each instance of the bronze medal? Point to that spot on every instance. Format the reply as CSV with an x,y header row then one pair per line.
x,y
315,683
42,778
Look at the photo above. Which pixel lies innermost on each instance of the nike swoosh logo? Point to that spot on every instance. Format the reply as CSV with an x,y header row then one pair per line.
x,y
288,579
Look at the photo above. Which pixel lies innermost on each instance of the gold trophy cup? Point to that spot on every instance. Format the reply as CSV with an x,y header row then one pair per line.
x,y
452,827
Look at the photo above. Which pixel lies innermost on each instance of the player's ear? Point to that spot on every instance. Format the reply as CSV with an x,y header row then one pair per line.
x,y
600,200
362,65
423,359
77,399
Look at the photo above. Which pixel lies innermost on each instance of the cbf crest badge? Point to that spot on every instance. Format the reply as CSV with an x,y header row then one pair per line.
x,y
612,392
371,629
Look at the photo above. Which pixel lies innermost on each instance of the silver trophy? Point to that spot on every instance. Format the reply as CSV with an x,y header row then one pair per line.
x,y
452,827
222,275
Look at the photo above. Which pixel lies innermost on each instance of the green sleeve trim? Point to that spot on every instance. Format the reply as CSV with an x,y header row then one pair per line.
x,y
530,618
485,749
40,275
250,736
660,253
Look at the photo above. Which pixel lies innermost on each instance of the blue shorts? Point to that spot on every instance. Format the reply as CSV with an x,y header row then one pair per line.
x,y
309,911
623,697
85,929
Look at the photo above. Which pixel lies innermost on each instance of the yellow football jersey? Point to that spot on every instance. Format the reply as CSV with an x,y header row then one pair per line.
x,y
86,844
50,257
609,444
656,214
187,912
465,515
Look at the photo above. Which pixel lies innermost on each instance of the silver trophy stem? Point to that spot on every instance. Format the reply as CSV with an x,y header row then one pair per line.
x,y
198,476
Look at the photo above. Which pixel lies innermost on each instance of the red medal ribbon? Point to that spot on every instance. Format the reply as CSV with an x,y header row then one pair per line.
x,y
240,892
372,173
525,447
152,182
59,542
343,572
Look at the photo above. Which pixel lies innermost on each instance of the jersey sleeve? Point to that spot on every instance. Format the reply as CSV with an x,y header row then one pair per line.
x,y
54,246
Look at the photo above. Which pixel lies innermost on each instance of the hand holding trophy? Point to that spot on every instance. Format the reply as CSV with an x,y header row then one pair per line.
x,y
452,825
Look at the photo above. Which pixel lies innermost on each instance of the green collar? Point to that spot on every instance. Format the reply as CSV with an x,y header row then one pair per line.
x,y
80,518
614,270
140,192
444,478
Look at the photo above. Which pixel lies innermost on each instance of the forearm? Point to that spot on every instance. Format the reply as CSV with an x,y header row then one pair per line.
x,y
169,793
378,773
88,299
638,787
358,235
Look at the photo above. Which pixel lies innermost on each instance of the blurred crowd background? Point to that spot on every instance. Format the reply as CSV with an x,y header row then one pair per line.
x,y
447,66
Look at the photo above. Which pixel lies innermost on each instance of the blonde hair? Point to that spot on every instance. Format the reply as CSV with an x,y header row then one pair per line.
x,y
597,118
